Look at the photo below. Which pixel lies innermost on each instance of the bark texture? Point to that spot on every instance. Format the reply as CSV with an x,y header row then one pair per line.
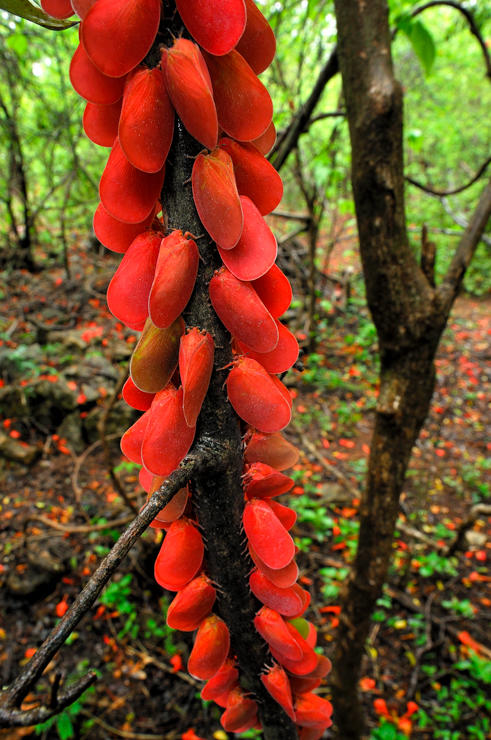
x,y
408,312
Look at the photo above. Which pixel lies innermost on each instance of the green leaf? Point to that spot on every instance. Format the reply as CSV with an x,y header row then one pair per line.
x,y
64,726
18,43
31,12
420,38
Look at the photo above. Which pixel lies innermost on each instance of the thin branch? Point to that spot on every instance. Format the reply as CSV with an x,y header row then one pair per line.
x,y
11,715
449,288
442,193
470,20
81,528
299,123
477,511
323,116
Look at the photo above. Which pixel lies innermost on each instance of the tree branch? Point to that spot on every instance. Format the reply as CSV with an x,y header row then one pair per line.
x,y
11,715
442,193
301,120
470,20
450,285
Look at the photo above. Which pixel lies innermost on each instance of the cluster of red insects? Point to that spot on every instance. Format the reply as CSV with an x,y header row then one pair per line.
x,y
211,84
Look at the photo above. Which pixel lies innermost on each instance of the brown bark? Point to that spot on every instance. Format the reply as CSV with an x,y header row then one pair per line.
x,y
409,315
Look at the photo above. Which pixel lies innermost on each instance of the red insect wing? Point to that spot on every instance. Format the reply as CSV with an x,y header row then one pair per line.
x,y
302,684
277,683
82,7
155,357
145,478
267,535
257,44
287,516
313,733
136,398
222,682
128,291
298,667
114,234
263,481
242,312
180,556
167,438
271,449
216,197
117,34
176,506
282,357
275,291
196,353
132,439
271,626
255,176
189,88
255,252
283,600
175,276
322,668
240,711
128,194
312,635
281,577
146,126
266,141
210,649
57,8
216,25
312,711
90,83
191,605
100,122
243,104
305,598
256,398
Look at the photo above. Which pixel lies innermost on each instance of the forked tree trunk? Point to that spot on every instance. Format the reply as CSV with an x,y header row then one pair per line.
x,y
408,312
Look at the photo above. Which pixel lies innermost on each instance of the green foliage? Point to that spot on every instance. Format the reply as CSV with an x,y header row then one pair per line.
x,y
421,39
31,12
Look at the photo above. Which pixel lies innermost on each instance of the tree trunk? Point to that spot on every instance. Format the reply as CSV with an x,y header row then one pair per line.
x,y
409,315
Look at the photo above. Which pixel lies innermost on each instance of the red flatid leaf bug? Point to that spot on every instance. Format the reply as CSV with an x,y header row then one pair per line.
x,y
216,198
191,605
210,649
255,252
267,535
272,627
274,290
302,684
276,682
167,437
282,357
128,291
114,234
282,577
263,481
180,555
89,82
196,354
174,278
82,7
240,309
155,357
287,516
222,682
257,44
285,601
266,141
136,398
146,125
128,194
190,90
312,711
174,509
101,122
257,397
255,176
271,449
216,25
117,34
240,711
243,104
57,8
301,667
132,439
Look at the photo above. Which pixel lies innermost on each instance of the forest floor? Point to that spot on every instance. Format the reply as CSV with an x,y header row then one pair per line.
x,y
427,662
